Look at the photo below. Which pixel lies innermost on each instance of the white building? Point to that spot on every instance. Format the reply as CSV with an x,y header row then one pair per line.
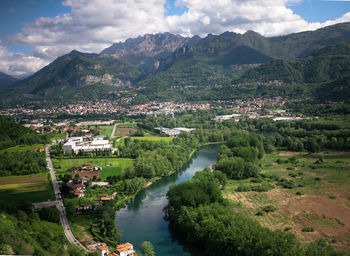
x,y
76,145
126,249
102,249
175,131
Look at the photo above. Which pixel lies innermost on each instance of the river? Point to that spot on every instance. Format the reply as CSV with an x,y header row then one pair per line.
x,y
143,218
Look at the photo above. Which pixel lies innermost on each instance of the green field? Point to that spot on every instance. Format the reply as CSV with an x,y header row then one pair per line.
x,y
22,148
31,192
23,187
314,193
107,130
166,139
62,165
23,176
58,136
110,171
127,125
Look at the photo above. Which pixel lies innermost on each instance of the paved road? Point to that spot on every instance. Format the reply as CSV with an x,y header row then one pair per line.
x,y
63,216
113,131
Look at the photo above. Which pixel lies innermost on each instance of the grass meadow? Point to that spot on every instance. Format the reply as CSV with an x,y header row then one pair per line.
x,y
306,190
62,165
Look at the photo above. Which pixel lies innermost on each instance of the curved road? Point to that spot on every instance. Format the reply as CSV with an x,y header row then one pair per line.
x,y
63,216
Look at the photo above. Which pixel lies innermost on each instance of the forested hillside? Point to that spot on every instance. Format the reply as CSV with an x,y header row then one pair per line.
x,y
12,134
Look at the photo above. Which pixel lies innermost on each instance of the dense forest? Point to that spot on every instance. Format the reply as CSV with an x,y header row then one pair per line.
x,y
16,162
23,231
12,134
21,163
157,159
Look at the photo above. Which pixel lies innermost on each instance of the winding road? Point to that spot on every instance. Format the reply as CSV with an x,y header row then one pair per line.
x,y
63,217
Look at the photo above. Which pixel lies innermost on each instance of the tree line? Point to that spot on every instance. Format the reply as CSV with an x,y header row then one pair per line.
x,y
201,216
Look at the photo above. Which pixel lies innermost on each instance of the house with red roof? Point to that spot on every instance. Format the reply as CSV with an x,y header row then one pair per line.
x,y
126,249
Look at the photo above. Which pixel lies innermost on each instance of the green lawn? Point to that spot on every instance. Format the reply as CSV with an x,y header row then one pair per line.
x,y
58,136
62,165
110,171
166,139
107,130
22,148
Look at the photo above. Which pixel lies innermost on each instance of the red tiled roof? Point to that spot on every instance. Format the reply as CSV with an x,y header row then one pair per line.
x,y
124,247
102,247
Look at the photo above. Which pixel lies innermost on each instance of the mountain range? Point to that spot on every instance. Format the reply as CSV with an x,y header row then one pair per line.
x,y
217,67
6,81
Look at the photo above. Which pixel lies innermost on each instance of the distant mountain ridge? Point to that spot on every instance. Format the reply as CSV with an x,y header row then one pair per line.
x,y
172,67
6,81
76,76
144,50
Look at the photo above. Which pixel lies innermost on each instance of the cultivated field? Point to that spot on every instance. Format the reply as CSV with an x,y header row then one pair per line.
x,y
127,125
23,188
22,148
23,179
309,191
124,131
165,139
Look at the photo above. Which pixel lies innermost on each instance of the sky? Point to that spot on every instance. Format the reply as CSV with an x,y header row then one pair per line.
x,y
35,32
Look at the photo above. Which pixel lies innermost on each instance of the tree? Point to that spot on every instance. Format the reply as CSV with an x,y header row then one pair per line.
x,y
148,248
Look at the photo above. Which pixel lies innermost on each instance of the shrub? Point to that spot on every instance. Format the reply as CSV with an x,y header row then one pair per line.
x,y
286,183
299,193
256,180
287,229
259,213
269,208
262,188
307,229
243,188
318,178
332,197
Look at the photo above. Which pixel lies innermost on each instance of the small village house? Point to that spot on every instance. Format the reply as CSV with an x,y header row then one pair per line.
x,y
126,249
102,249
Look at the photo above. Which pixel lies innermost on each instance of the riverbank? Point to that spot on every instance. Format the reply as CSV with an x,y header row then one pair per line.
x,y
143,218
83,225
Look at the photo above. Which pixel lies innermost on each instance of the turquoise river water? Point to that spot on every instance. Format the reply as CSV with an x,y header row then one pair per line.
x,y
143,218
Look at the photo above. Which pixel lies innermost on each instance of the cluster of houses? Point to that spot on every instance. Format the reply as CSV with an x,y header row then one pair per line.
x,y
126,249
87,168
76,144
79,190
276,116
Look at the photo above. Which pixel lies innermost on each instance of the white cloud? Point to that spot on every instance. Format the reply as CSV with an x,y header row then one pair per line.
x,y
93,25
19,64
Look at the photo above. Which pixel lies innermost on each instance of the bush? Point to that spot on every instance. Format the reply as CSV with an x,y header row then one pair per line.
x,y
287,229
269,208
259,213
307,229
286,183
244,188
332,197
299,193
263,187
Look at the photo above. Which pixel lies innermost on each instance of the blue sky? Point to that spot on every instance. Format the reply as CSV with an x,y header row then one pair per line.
x,y
35,32
15,13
